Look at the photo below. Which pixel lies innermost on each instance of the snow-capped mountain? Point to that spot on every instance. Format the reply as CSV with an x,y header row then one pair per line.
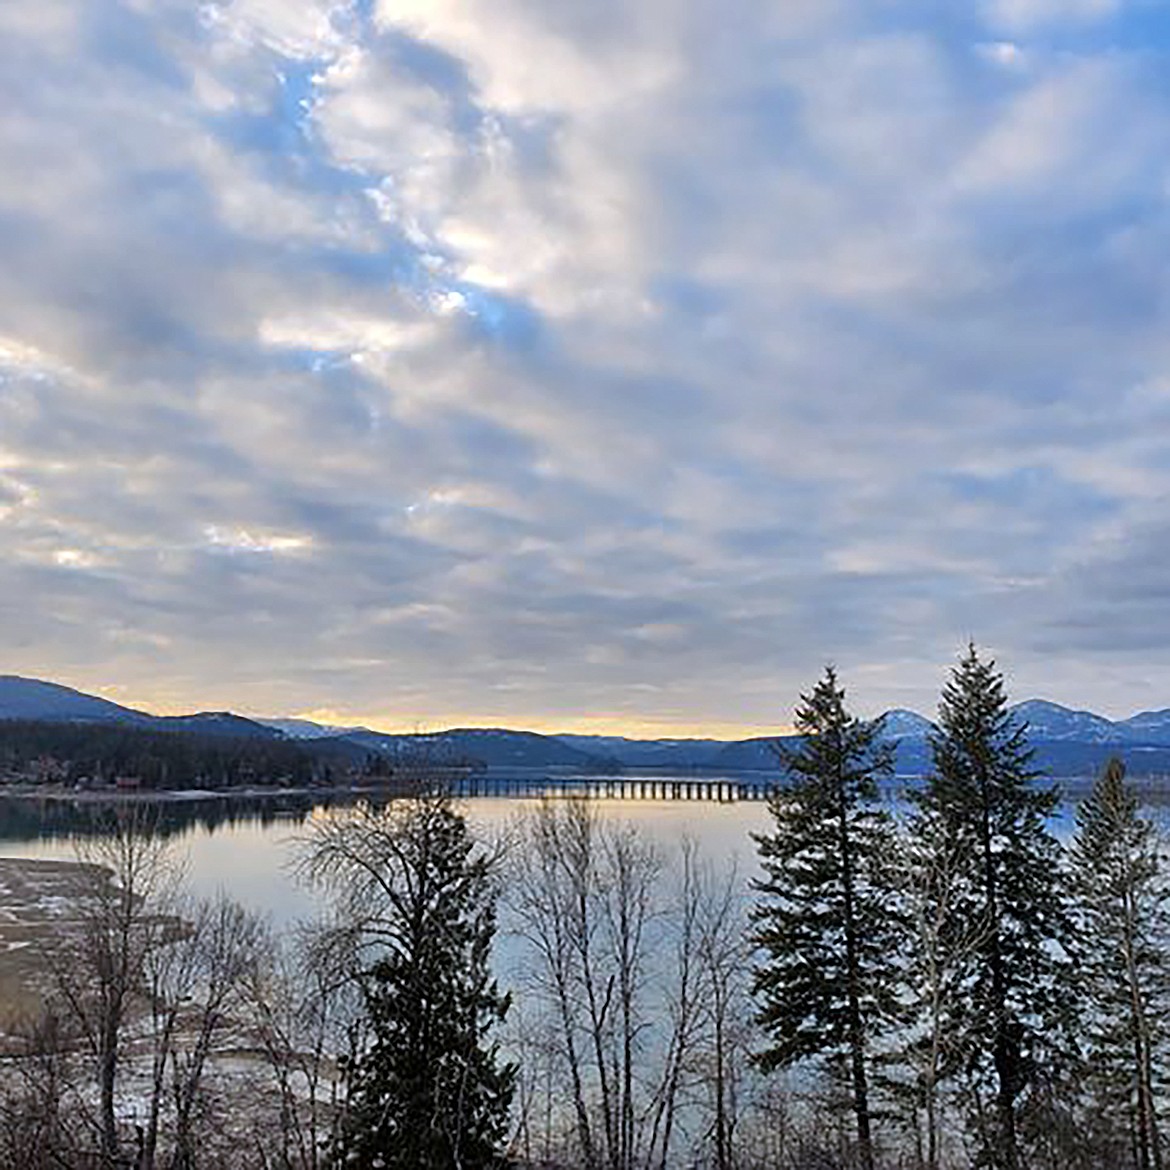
x,y
903,724
1047,720
1147,727
1068,742
307,729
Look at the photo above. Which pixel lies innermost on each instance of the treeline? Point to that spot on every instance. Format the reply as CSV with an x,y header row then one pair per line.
x,y
104,753
937,987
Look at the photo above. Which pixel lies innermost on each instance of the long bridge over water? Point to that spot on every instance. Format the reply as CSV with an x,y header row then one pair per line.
x,y
720,789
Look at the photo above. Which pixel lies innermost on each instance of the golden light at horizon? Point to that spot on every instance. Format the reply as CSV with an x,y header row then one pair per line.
x,y
427,722
578,725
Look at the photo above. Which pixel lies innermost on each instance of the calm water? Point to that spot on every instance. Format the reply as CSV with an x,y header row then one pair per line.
x,y
245,847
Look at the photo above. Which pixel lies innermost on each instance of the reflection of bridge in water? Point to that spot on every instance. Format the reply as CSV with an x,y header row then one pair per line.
x,y
720,789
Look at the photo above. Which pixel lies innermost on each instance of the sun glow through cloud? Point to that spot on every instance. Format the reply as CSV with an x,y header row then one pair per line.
x,y
583,366
245,541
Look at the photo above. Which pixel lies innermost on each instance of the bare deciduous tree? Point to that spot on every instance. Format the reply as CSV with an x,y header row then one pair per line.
x,y
305,1015
943,938
35,1099
723,955
615,970
202,982
100,967
415,896
143,984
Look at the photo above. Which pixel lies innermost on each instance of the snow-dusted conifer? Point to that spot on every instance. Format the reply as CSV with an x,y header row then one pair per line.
x,y
1123,925
826,922
1007,1011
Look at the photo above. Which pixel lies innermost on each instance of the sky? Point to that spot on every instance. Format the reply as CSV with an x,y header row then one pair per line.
x,y
584,365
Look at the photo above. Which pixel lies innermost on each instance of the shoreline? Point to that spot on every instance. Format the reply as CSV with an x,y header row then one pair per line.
x,y
42,904
186,795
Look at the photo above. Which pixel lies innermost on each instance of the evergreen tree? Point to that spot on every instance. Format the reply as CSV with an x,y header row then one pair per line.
x,y
1124,929
416,901
981,802
826,920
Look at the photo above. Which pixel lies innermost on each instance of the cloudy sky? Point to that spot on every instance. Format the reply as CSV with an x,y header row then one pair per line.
x,y
584,363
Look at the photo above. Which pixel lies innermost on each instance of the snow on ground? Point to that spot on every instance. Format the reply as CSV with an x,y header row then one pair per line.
x,y
40,903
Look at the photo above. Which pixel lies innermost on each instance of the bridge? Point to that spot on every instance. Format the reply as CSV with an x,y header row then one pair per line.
x,y
718,789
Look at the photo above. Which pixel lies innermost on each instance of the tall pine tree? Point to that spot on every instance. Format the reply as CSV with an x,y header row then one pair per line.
x,y
1124,932
826,922
417,908
982,802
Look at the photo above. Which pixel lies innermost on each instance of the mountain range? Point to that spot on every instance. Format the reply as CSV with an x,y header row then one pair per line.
x,y
1068,742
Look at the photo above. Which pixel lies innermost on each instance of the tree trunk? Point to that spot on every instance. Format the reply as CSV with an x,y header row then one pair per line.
x,y
856,1029
1006,1052
722,1153
107,1077
1148,1152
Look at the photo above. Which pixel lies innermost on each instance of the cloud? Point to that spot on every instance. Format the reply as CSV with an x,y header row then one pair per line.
x,y
534,361
1023,15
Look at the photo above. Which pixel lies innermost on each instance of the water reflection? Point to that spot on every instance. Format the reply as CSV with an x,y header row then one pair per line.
x,y
28,819
244,845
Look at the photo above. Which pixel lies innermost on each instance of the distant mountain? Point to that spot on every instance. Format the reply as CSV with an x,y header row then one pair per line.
x,y
648,753
500,747
495,747
755,753
307,729
751,754
218,723
1147,727
30,698
903,724
1052,721
1067,741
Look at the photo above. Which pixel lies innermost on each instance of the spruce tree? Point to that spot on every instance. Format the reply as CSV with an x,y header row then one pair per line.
x,y
416,903
982,802
826,923
1124,930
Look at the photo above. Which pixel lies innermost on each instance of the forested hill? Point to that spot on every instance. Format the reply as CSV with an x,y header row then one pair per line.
x,y
69,726
100,754
220,744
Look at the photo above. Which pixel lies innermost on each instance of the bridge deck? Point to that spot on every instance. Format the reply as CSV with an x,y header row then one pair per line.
x,y
723,790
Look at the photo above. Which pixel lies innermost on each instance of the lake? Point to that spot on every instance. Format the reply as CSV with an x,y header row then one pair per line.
x,y
245,845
